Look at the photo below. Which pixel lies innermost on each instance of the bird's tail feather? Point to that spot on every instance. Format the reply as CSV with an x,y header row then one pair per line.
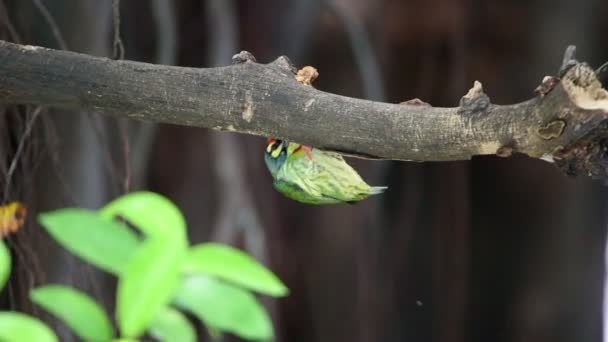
x,y
375,190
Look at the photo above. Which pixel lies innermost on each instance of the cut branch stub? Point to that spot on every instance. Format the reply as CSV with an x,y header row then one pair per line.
x,y
243,57
585,136
568,61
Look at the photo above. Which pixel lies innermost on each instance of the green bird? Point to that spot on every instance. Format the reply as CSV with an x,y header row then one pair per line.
x,y
314,176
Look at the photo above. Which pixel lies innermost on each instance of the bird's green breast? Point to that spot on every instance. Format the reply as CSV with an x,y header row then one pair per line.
x,y
296,193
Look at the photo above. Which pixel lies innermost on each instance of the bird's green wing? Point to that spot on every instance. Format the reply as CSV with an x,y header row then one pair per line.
x,y
326,178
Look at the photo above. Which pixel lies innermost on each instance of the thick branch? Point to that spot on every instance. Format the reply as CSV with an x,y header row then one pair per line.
x,y
565,122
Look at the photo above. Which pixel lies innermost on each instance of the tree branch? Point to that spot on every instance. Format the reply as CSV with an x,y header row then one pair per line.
x,y
567,122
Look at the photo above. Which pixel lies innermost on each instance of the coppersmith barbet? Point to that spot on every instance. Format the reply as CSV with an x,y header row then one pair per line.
x,y
313,176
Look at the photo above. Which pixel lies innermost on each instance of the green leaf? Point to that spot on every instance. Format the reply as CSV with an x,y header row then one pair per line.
x,y
153,214
172,326
17,327
5,264
234,266
77,310
104,243
224,306
148,283
152,274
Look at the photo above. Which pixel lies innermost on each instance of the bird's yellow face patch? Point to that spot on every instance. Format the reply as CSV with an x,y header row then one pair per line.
x,y
269,147
277,150
275,147
292,148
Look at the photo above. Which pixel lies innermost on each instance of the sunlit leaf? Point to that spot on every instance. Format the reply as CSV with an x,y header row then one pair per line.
x,y
152,273
5,264
224,306
172,326
153,214
104,243
17,327
77,310
148,283
234,266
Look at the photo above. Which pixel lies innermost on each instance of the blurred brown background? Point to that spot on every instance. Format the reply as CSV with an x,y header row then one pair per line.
x,y
484,250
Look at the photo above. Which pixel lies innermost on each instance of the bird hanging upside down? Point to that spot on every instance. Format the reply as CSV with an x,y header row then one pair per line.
x,y
314,176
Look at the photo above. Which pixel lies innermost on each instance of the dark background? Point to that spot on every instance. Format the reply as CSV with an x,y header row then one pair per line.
x,y
484,250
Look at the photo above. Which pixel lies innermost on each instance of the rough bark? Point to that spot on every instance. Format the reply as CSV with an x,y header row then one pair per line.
x,y
565,122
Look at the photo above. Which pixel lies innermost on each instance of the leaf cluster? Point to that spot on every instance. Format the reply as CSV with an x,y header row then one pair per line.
x,y
160,277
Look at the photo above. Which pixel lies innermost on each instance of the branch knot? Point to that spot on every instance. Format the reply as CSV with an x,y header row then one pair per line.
x,y
285,64
475,101
548,83
243,57
552,130
415,102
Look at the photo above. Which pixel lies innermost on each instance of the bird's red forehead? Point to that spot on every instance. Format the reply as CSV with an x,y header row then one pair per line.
x,y
271,140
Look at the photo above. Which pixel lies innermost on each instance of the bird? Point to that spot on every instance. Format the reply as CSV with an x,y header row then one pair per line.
x,y
314,176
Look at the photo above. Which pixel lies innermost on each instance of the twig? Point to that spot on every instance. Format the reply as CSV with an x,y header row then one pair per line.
x,y
67,194
237,213
20,146
119,53
223,26
126,154
52,24
110,164
143,134
602,74
119,48
166,32
13,34
298,24
361,45
568,60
